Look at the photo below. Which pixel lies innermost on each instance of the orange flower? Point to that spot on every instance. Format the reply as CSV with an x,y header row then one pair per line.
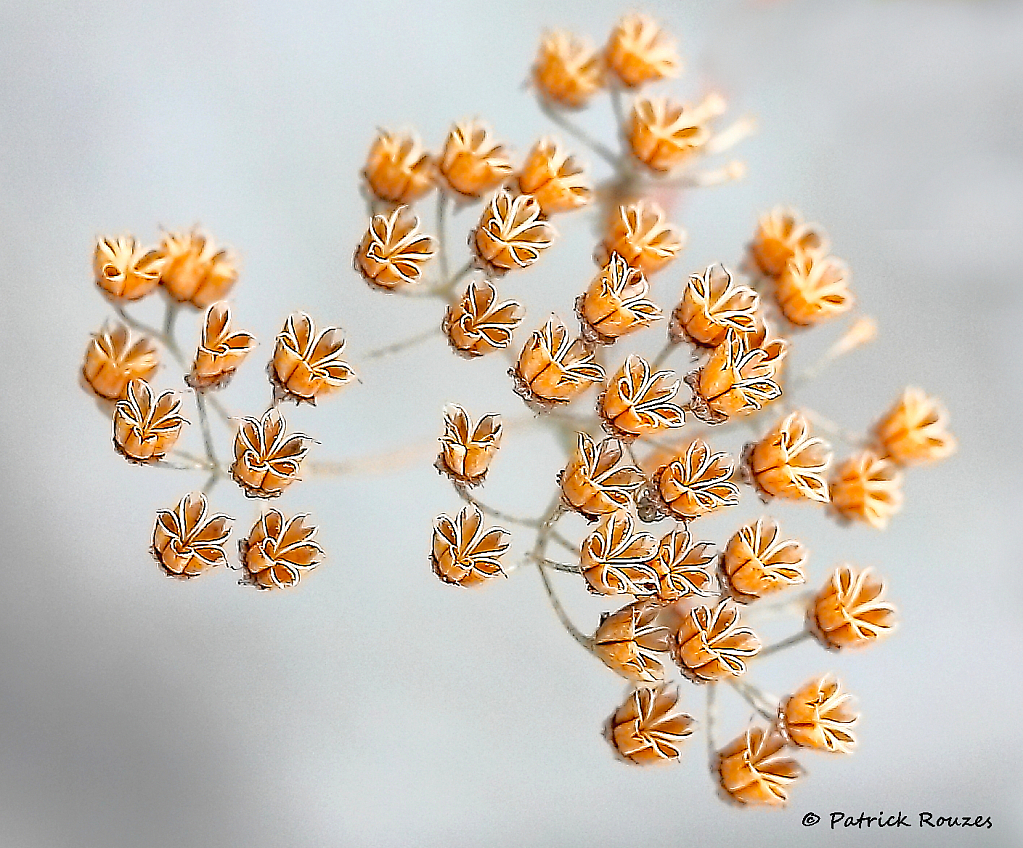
x,y
393,251
595,482
196,271
683,566
711,305
640,51
641,234
467,451
697,483
638,402
629,640
754,770
220,351
789,463
398,170
736,379
711,643
554,179
305,365
112,360
866,488
187,541
568,71
915,430
759,561
472,162
554,369
464,553
266,461
512,233
664,134
124,269
479,323
848,612
146,427
648,728
813,288
820,716
780,233
615,558
616,303
279,550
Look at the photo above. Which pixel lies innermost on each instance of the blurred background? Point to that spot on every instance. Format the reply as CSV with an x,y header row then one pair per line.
x,y
373,705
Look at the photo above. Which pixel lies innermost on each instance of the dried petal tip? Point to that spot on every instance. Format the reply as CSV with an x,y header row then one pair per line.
x,y
789,463
649,728
711,305
628,642
568,70
479,323
866,488
638,400
596,481
196,271
753,769
398,170
124,269
616,303
306,365
553,369
393,251
279,550
554,179
464,552
266,461
113,360
697,482
146,426
780,233
220,351
641,234
915,430
820,716
640,51
759,561
472,162
848,612
615,557
711,644
187,540
512,233
466,451
664,135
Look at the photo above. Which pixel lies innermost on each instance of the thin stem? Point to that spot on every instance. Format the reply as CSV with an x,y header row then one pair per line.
x,y
597,147
801,636
404,344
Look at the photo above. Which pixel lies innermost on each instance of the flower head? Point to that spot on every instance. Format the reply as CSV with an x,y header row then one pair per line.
x,y
628,641
711,305
306,365
466,451
640,51
813,288
113,360
711,644
464,552
188,540
641,234
554,369
479,323
512,233
615,557
649,728
790,463
279,550
124,269
819,715
865,487
616,302
596,481
393,251
195,270
220,351
780,233
554,178
568,70
146,426
848,612
753,769
664,134
758,561
915,430
737,378
697,482
472,162
266,461
398,170
638,401
683,566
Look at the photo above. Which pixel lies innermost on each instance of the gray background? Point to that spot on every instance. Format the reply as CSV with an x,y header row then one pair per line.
x,y
373,705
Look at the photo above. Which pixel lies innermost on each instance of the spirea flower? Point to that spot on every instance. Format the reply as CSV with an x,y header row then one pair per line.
x,y
813,288
465,553
616,302
780,233
638,401
711,305
629,641
849,612
697,482
819,715
188,539
615,557
664,134
553,368
683,566
865,487
641,234
512,233
195,270
596,481
266,461
220,351
568,70
554,178
146,426
279,550
466,450
639,51
737,378
711,643
915,430
305,365
393,251
649,728
472,162
790,463
398,170
480,323
754,770
124,269
113,359
759,560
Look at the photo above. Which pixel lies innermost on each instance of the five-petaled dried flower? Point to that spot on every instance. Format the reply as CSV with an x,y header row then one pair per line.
x,y
113,360
554,369
398,170
266,461
279,550
790,463
813,288
196,271
568,70
711,643
472,162
664,134
637,401
866,487
554,178
758,560
819,715
848,612
915,430
737,378
466,451
640,51
616,302
698,482
220,351
753,769
682,566
711,305
306,365
479,323
649,728
464,551
628,641
780,233
596,481
187,540
146,426
512,232
615,557
125,270
393,251
640,233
